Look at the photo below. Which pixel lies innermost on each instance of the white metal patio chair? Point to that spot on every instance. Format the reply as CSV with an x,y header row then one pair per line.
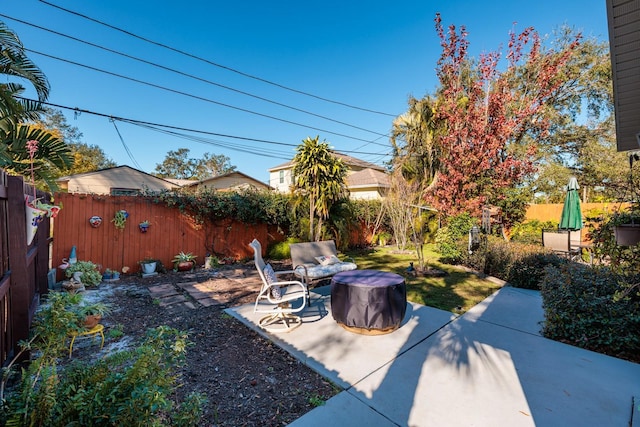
x,y
276,297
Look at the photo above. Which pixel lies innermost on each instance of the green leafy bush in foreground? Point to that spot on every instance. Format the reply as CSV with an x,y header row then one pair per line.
x,y
132,387
581,308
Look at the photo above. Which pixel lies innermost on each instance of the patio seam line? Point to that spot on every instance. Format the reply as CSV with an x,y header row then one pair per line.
x,y
365,402
403,352
370,407
539,335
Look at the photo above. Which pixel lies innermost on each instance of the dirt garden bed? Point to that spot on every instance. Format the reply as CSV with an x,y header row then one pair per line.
x,y
247,380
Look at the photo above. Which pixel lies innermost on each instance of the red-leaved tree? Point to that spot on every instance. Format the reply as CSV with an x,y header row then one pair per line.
x,y
491,118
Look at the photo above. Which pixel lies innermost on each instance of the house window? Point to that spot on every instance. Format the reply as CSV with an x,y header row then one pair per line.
x,y
124,191
281,177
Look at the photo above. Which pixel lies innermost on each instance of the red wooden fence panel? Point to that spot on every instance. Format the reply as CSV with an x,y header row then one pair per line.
x,y
171,232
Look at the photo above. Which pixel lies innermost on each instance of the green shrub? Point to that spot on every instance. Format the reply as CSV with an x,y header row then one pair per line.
x,y
531,231
452,240
580,308
281,250
90,273
249,206
133,387
528,271
522,265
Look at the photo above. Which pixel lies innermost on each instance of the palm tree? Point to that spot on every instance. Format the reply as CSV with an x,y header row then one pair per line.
x,y
14,62
319,177
15,111
416,163
413,136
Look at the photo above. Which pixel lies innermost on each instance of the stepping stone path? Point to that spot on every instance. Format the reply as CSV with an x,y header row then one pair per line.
x,y
221,288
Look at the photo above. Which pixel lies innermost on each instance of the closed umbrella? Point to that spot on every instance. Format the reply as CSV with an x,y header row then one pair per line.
x,y
571,218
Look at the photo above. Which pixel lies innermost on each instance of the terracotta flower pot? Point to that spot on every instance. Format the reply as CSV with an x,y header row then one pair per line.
x,y
186,266
92,320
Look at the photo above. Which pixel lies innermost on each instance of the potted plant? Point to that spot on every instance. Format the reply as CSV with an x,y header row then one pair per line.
x,y
184,261
211,262
626,228
89,315
149,265
110,275
120,219
144,226
85,272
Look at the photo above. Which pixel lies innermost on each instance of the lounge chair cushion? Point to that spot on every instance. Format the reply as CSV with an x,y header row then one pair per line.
x,y
315,271
270,277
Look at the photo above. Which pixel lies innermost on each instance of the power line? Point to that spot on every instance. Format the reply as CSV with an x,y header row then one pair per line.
x,y
264,152
190,55
201,98
124,144
182,73
170,128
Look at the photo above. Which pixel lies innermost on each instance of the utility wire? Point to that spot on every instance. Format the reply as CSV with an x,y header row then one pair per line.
x,y
201,98
182,73
77,110
135,162
190,55
265,152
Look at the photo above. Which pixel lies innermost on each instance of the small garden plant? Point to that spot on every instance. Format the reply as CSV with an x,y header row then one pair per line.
x,y
132,387
90,272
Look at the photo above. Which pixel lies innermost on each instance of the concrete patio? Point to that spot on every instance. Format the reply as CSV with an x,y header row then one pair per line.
x,y
487,367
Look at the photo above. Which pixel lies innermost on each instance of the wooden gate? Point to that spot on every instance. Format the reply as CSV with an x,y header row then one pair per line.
x,y
23,268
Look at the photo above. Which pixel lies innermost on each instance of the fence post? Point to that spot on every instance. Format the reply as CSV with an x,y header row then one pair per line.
x,y
20,277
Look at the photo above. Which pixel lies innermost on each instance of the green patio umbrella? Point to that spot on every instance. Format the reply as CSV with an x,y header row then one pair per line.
x,y
571,218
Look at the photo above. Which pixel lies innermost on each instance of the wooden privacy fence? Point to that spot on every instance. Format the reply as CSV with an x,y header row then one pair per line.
x,y
171,232
552,211
23,268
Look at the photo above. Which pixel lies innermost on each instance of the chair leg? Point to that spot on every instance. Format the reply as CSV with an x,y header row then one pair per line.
x,y
280,322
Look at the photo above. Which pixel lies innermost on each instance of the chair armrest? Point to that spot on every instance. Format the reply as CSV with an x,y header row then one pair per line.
x,y
279,272
297,272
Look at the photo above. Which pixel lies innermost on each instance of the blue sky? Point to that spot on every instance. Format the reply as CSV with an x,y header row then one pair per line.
x,y
372,55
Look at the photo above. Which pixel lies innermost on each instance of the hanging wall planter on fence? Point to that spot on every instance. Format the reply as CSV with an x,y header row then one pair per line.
x,y
120,219
34,217
95,221
36,211
144,226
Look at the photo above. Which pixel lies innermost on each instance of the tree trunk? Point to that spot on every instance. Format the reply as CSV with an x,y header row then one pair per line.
x,y
318,230
311,212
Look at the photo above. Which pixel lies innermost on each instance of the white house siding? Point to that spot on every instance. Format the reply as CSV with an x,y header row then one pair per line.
x,y
364,195
281,185
102,182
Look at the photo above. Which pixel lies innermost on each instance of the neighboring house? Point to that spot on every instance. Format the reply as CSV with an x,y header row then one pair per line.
x,y
116,181
230,182
368,184
364,180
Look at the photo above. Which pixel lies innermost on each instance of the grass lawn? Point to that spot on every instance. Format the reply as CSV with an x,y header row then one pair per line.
x,y
457,292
